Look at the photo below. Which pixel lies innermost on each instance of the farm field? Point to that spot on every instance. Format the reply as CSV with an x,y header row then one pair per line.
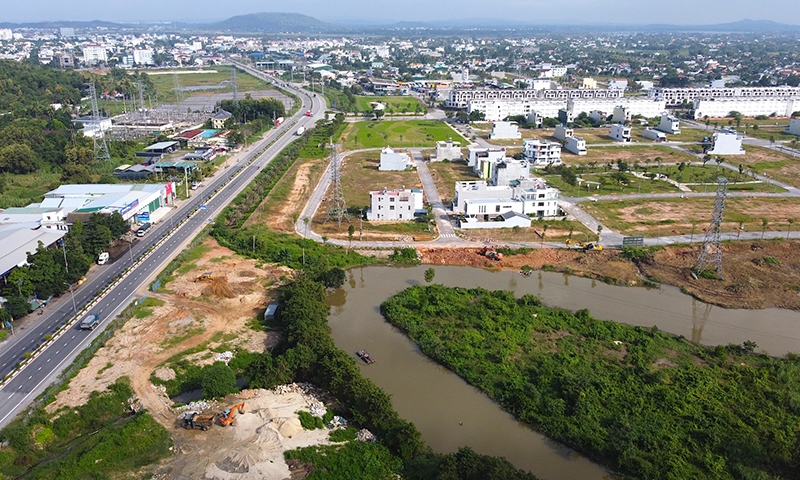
x,y
680,216
397,133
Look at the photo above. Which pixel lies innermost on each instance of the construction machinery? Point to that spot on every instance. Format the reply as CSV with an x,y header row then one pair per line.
x,y
226,418
491,253
205,277
197,420
585,246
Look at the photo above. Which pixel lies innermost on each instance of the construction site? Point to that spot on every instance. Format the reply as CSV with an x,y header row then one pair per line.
x,y
208,309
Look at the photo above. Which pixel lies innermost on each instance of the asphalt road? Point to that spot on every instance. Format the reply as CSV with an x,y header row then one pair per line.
x,y
41,371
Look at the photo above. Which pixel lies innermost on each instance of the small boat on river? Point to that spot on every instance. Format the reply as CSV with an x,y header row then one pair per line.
x,y
364,355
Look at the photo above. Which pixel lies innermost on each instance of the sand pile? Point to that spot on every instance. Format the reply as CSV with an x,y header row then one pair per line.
x,y
219,286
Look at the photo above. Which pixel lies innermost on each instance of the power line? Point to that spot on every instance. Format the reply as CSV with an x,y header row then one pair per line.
x,y
711,251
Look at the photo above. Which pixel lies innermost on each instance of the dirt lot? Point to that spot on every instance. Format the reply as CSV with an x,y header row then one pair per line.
x,y
209,314
756,274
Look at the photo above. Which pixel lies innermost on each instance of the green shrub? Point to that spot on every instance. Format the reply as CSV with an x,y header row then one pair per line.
x,y
308,421
344,434
218,380
772,260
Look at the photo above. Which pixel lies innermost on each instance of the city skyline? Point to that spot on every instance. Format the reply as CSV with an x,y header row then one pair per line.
x,y
679,12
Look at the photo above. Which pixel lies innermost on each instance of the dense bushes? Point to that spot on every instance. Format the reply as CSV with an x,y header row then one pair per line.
x,y
642,402
99,439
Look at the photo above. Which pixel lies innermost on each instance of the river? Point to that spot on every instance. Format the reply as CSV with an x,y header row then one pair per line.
x,y
450,413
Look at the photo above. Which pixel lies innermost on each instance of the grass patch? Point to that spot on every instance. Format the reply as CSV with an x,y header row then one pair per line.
x,y
108,365
397,133
221,77
145,309
399,105
446,174
170,342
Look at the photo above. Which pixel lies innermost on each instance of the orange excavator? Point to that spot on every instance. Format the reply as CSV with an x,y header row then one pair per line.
x,y
226,417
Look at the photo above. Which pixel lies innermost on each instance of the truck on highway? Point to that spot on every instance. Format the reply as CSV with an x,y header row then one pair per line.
x,y
278,121
102,259
90,321
301,131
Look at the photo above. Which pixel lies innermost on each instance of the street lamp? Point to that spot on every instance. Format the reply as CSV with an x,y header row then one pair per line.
x,y
72,292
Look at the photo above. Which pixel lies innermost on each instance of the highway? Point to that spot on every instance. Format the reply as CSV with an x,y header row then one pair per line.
x,y
18,392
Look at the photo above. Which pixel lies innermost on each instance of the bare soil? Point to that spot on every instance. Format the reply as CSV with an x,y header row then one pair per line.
x,y
757,275
209,313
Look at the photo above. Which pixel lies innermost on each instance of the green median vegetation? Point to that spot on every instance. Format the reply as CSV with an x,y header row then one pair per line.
x,y
644,403
100,439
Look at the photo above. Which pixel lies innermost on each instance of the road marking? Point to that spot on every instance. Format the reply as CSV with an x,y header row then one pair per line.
x,y
30,377
48,360
60,350
39,369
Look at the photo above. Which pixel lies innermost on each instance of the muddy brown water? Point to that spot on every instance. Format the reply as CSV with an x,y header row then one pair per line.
x,y
450,413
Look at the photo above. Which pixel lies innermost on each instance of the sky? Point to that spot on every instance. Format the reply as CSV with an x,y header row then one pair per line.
x,y
679,12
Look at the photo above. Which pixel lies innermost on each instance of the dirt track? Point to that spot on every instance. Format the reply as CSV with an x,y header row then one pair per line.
x,y
756,275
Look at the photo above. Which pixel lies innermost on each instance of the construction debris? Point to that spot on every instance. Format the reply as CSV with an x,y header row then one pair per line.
x,y
224,357
365,435
198,406
337,422
318,409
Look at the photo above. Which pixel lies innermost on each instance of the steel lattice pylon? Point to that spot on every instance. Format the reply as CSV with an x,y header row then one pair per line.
x,y
337,208
711,251
100,147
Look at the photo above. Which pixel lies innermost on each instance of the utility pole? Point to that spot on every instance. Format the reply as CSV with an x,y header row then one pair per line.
x,y
64,249
186,181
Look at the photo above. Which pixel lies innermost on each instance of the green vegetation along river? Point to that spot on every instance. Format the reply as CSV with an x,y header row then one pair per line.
x,y
438,401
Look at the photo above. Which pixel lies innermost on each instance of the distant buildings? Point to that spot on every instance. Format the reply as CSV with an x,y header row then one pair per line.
x,y
573,144
541,153
794,127
726,142
620,133
94,54
747,106
669,124
676,96
218,119
505,131
448,150
143,56
393,161
460,98
387,205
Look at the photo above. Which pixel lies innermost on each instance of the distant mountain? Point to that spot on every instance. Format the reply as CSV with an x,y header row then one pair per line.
x,y
272,23
742,26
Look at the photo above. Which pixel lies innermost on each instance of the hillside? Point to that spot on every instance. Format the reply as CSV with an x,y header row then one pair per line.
x,y
273,22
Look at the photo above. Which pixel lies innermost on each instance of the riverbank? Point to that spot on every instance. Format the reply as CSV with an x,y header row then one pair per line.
x,y
756,275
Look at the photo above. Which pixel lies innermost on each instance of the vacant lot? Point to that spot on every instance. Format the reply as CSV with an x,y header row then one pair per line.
x,y
609,186
207,79
540,231
630,154
360,175
682,216
446,174
411,133
764,161
394,105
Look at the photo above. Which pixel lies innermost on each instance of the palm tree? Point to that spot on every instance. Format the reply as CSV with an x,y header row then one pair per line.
x,y
599,233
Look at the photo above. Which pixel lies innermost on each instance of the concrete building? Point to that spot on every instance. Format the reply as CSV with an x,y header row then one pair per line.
x,y
618,84
449,150
589,83
620,133
747,106
541,153
92,128
562,132
598,116
509,170
459,98
67,32
509,219
622,114
676,96
218,119
669,124
654,135
505,131
130,200
392,205
6,34
94,54
20,239
394,161
497,110
143,56
794,126
726,142
528,197
481,159
576,145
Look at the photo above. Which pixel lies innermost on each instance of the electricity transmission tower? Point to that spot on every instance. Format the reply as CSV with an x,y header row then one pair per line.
x,y
233,82
178,89
337,208
711,251
100,147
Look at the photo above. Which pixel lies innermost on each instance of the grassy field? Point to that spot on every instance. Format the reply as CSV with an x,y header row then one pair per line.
x,y
394,105
679,216
609,186
446,174
764,161
360,175
630,154
411,133
209,77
